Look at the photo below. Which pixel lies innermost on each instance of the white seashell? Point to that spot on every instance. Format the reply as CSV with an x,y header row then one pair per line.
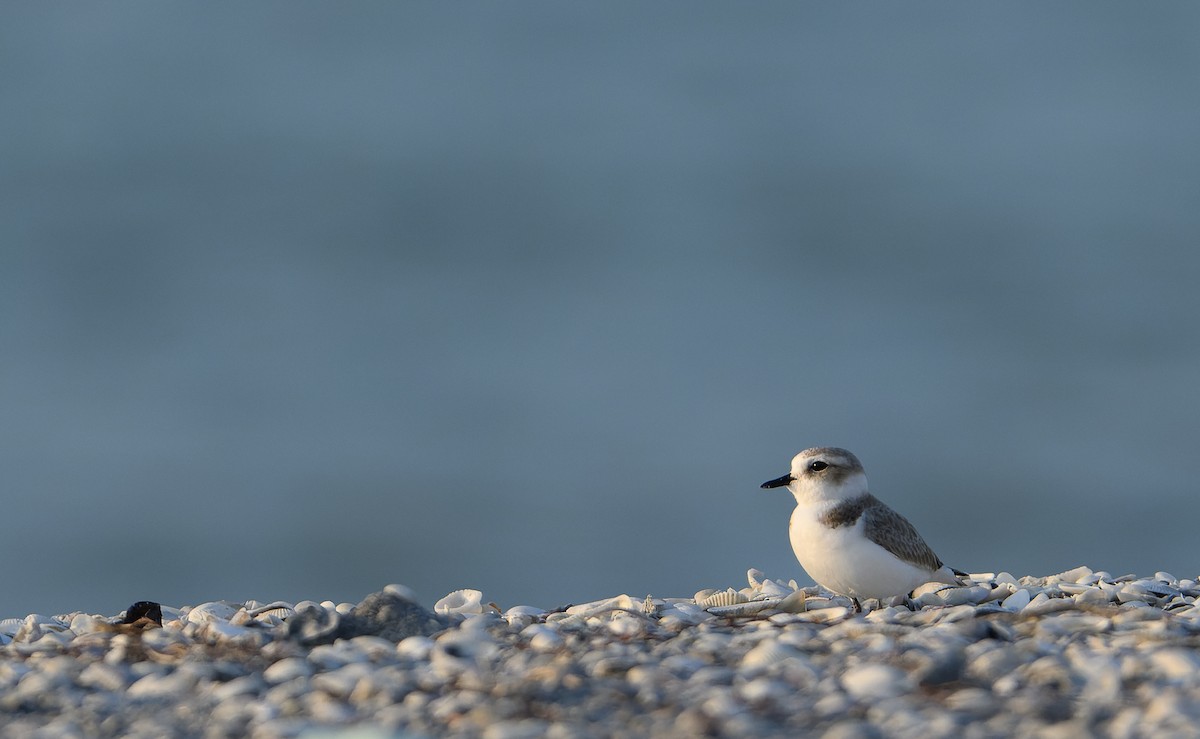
x,y
461,601
274,616
1133,591
795,602
226,632
171,614
773,589
85,624
1000,592
783,619
742,610
1017,600
930,599
1161,589
763,691
951,614
472,639
874,682
374,648
930,588
563,620
340,683
1043,604
1093,596
1176,664
888,615
30,631
102,676
815,602
702,594
523,615
279,608
155,686
960,596
9,626
767,653
542,638
827,615
286,670
1166,577
626,625
214,611
241,618
724,598
415,647
1073,575
1075,588
601,607
49,642
755,577
680,615
334,656
164,641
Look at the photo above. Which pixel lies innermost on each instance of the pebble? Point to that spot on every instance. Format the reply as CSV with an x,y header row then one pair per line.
x,y
873,682
1076,653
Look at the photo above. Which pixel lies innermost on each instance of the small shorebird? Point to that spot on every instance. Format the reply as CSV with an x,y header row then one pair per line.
x,y
848,540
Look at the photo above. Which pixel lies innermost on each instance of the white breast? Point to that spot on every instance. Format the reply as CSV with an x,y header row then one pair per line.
x,y
845,561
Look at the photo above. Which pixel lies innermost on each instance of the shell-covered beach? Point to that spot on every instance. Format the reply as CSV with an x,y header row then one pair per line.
x,y
1076,654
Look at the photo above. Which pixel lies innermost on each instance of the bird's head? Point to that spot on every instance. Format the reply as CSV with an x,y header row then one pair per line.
x,y
823,474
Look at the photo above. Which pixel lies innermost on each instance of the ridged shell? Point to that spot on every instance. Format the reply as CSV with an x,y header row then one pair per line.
x,y
279,608
271,615
728,597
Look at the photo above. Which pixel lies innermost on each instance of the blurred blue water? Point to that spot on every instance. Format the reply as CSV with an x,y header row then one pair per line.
x,y
298,300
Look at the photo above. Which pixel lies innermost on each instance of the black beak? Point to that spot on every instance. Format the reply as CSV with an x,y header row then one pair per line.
x,y
778,482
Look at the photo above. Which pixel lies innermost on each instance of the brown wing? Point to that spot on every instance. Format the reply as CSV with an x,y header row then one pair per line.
x,y
894,533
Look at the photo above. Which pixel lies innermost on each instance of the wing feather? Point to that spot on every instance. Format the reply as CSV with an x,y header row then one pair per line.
x,y
894,533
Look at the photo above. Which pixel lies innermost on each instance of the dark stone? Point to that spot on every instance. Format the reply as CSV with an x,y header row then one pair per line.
x,y
395,618
143,609
379,614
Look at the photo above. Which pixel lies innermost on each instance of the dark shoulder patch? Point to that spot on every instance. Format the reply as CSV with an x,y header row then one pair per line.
x,y
847,512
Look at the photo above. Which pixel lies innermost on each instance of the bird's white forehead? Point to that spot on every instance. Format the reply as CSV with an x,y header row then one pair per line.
x,y
834,456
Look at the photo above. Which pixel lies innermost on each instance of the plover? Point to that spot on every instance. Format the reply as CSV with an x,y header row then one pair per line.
x,y
848,540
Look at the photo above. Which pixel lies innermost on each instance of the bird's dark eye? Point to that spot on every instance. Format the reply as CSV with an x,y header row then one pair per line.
x,y
817,466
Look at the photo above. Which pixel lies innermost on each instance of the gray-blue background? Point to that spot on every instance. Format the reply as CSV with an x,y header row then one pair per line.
x,y
299,300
